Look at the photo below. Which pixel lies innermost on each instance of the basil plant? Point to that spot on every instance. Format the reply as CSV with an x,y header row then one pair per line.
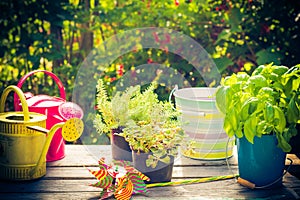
x,y
265,102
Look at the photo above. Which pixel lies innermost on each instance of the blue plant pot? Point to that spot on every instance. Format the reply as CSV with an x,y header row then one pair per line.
x,y
261,163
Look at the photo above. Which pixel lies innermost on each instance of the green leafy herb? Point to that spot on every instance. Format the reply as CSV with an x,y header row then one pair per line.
x,y
267,102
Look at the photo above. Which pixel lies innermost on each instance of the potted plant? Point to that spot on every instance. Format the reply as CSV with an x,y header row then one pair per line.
x,y
155,139
261,110
112,117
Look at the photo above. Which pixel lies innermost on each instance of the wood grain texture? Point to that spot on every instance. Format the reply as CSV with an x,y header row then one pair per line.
x,y
69,179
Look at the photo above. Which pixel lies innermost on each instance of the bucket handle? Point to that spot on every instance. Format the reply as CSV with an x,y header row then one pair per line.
x,y
20,94
250,185
186,111
171,94
52,75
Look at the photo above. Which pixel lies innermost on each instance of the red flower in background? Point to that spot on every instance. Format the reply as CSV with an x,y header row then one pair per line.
x,y
112,79
120,69
264,29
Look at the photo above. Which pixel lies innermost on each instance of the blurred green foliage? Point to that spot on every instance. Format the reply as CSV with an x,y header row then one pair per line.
x,y
58,35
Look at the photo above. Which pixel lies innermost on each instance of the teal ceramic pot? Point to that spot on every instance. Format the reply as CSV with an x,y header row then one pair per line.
x,y
261,163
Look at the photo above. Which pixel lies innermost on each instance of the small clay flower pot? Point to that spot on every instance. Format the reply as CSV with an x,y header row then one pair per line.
x,y
119,147
161,173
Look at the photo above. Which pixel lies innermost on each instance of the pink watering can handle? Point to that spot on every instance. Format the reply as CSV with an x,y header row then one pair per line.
x,y
53,76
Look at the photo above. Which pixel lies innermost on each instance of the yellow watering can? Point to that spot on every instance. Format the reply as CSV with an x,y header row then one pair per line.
x,y
23,142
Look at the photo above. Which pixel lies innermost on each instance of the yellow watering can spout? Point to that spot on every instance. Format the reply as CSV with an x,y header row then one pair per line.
x,y
71,131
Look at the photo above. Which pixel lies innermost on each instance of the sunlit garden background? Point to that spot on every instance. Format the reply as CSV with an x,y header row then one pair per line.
x,y
58,35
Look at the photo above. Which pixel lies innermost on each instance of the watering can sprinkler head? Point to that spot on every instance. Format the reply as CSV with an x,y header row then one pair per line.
x,y
71,131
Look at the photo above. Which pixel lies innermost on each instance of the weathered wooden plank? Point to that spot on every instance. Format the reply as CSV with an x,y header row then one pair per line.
x,y
221,189
51,196
296,160
44,185
174,195
289,181
88,155
80,155
69,179
69,189
178,172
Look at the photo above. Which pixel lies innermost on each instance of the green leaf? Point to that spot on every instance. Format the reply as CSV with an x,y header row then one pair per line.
x,y
258,81
261,128
282,143
250,128
221,99
248,108
230,80
223,63
148,162
279,115
235,119
234,19
258,70
280,70
228,126
269,112
224,35
242,77
267,56
239,132
292,112
244,113
166,159
266,94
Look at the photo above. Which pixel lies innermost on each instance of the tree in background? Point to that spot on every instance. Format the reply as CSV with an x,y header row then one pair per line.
x,y
57,36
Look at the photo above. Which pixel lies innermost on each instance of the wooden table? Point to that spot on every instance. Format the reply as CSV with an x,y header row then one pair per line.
x,y
69,179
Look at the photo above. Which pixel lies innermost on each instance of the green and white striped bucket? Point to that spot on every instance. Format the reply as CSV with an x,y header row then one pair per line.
x,y
203,124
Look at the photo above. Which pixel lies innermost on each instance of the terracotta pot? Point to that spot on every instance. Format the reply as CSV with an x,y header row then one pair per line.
x,y
161,173
119,147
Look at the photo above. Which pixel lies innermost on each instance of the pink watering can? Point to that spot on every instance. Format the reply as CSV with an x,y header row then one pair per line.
x,y
57,110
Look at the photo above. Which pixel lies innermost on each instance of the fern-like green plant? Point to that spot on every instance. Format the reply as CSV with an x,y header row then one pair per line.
x,y
155,129
113,113
149,125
